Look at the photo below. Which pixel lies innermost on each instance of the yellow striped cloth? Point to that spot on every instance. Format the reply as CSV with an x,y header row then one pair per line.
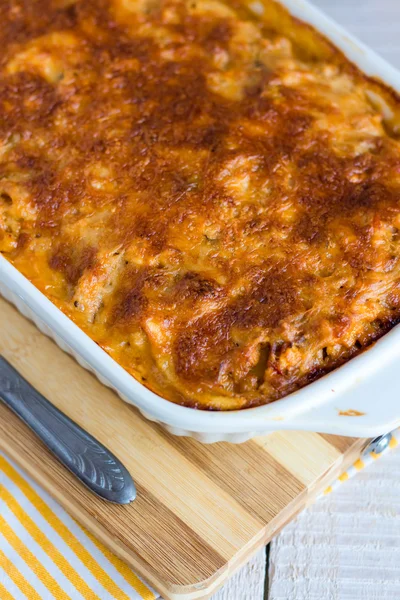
x,y
46,555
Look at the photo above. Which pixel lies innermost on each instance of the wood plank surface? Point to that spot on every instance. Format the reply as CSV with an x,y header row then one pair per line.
x,y
248,583
202,510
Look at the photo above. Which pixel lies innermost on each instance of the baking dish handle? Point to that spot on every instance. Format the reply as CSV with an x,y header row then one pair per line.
x,y
368,408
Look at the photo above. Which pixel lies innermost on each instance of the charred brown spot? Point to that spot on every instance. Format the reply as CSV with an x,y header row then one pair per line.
x,y
193,286
201,348
273,297
260,367
72,262
32,18
26,100
130,300
23,240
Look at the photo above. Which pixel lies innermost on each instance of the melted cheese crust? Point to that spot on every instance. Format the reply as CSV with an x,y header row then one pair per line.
x,y
209,189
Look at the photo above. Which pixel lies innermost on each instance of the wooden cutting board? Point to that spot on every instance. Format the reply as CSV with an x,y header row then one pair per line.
x,y
201,510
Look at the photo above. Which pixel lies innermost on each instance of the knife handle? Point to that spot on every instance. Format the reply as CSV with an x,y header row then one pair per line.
x,y
95,466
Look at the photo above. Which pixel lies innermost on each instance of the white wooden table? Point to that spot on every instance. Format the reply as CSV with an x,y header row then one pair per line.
x,y
357,558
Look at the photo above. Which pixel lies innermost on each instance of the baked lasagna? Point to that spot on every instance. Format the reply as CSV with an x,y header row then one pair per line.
x,y
209,189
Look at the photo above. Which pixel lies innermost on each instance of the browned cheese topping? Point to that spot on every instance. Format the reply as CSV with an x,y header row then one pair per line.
x,y
209,189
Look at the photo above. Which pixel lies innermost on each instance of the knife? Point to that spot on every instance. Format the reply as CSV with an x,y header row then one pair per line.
x,y
91,462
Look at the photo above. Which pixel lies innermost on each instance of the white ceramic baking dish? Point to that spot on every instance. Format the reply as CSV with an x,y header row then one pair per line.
x,y
367,387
